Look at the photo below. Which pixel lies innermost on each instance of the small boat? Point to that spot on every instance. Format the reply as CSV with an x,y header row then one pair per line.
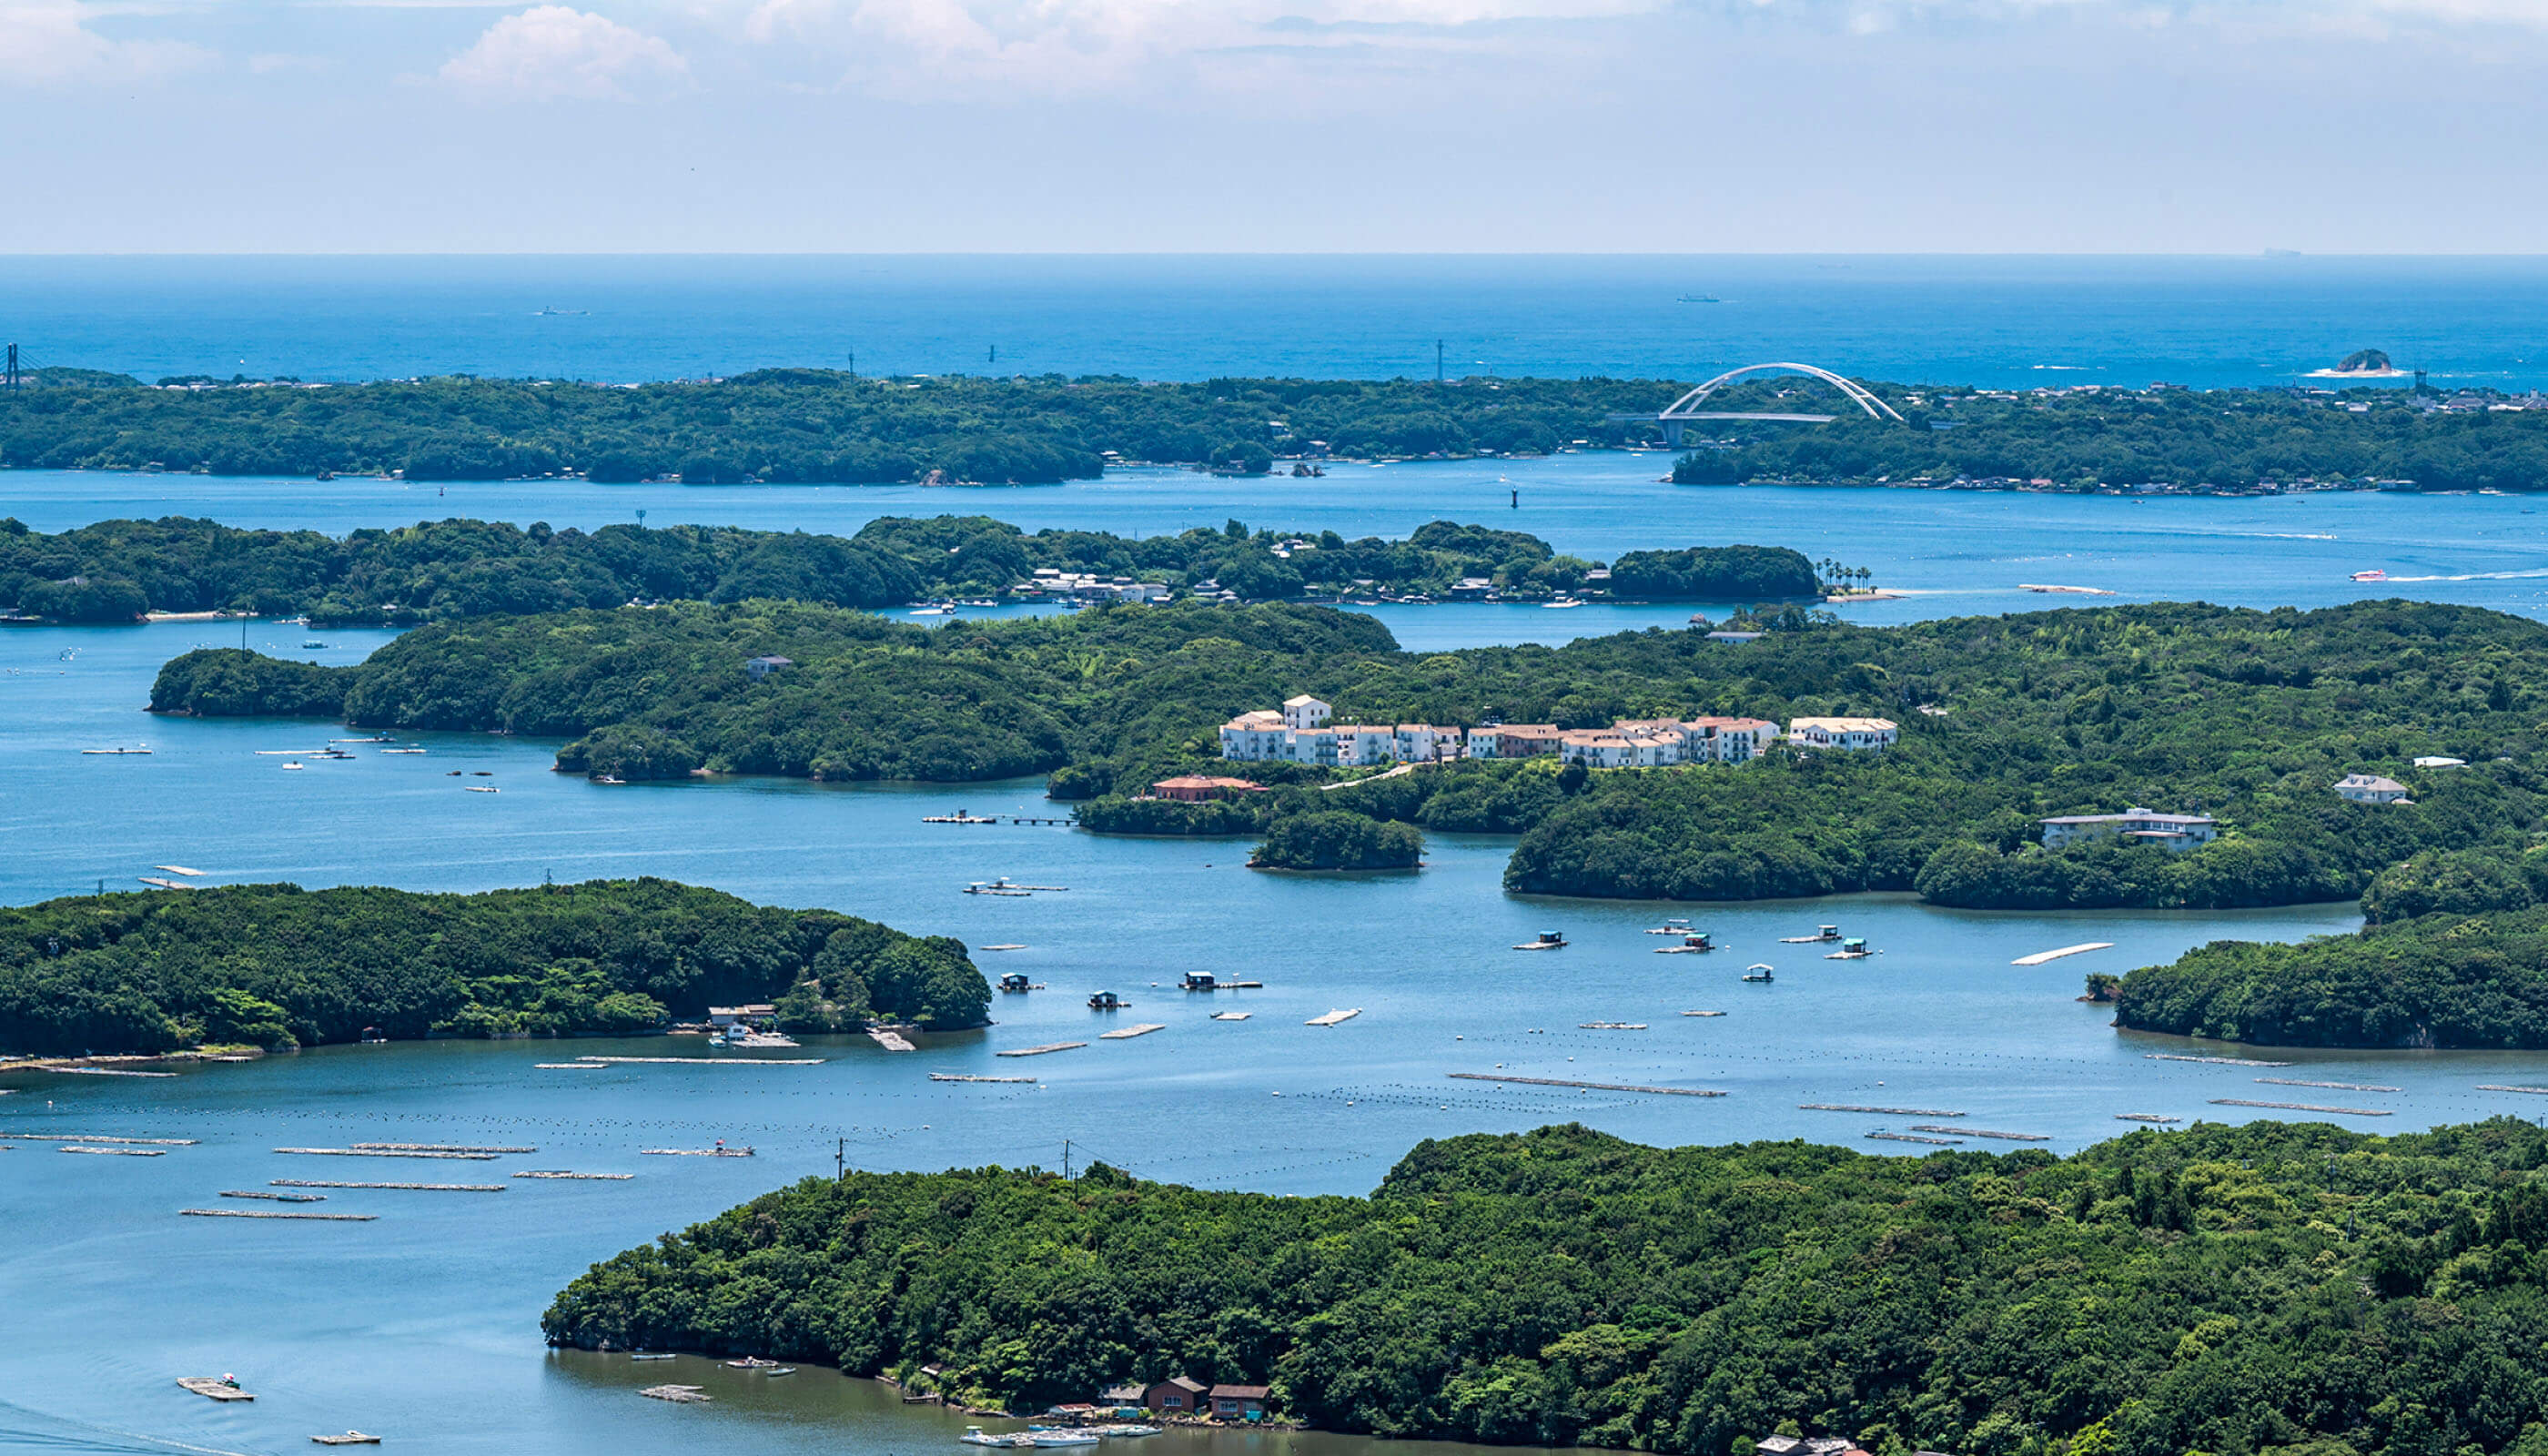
x,y
1699,298
1758,972
1128,1431
933,612
402,750
224,1388
974,1435
1549,940
777,1371
1560,604
470,787
751,1362
295,763
1054,1437
1670,928
312,645
2373,574
114,752
650,1355
349,1438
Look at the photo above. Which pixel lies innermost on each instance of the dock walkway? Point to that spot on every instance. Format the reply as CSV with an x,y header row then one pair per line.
x,y
1588,1087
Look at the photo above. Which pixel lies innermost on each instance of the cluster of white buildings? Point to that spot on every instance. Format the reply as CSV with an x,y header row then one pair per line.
x,y
1052,581
1301,733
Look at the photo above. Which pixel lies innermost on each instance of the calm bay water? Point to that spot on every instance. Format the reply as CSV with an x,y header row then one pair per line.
x,y
1995,321
423,1325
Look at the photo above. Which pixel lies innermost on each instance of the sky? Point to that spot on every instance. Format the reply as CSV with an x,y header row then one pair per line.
x,y
1274,126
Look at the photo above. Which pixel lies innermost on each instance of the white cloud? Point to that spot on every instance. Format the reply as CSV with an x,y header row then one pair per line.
x,y
556,50
49,42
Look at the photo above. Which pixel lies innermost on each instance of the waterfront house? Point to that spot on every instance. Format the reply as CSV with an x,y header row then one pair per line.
x,y
1847,734
2174,833
757,668
1515,741
1177,1395
2371,789
1134,1396
1472,589
722,1016
1195,788
1238,1402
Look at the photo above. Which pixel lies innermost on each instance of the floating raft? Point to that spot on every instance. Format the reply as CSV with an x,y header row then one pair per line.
x,y
213,1388
572,1066
410,1187
1231,1015
2146,1116
97,1138
972,1077
102,1071
276,1197
563,1173
701,1061
1982,1132
435,1147
680,1394
2351,1112
349,1438
96,1151
2498,1087
2209,1060
156,882
890,1039
465,1158
1702,1013
1125,1034
1899,1112
1914,1138
1040,1050
2339,1086
264,1214
696,1151
1589,1086
1334,1018
1612,1026
2041,957
999,948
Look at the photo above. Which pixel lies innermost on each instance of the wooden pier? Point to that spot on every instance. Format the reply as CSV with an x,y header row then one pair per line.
x,y
263,1214
1588,1087
1127,1033
1334,1018
2499,1087
972,1077
2339,1086
410,1187
1048,1046
275,1197
563,1173
1982,1132
94,1151
1898,1112
2041,958
463,1157
2351,1112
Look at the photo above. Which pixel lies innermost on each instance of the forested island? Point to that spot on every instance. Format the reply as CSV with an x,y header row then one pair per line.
x,y
2160,438
278,967
2297,1289
805,425
116,571
2249,717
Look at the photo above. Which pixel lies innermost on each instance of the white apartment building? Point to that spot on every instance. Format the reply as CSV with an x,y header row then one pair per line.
x,y
1302,733
2174,833
1304,711
1514,741
1257,737
1844,733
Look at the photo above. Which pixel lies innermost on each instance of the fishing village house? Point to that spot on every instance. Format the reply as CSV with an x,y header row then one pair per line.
x,y
1238,1402
2174,833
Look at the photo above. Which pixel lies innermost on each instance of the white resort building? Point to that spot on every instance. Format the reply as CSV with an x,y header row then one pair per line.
x,y
2174,833
1843,733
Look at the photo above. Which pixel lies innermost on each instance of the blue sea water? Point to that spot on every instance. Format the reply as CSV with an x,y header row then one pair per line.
x,y
1997,321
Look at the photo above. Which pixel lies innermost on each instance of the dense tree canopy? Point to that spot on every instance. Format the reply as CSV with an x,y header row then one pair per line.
x,y
2271,1289
277,966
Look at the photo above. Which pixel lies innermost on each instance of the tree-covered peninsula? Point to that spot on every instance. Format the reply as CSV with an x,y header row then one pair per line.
x,y
116,571
2269,1289
279,967
806,424
2248,716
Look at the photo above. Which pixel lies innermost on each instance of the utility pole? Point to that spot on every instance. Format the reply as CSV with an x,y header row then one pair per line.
x,y
995,353
840,1158
12,369
1065,1143
853,363
1437,361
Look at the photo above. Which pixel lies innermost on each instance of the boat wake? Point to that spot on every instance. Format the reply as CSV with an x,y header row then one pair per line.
x,y
21,1428
2479,576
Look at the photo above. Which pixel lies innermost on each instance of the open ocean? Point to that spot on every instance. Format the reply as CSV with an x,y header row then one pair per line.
x,y
1994,320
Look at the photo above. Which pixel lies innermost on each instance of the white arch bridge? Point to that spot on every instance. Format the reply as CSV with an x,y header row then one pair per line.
x,y
1681,412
